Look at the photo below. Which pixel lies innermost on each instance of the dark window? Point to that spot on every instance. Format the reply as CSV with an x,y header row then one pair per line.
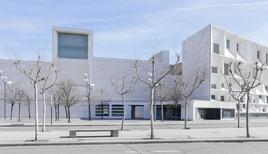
x,y
117,110
213,86
222,98
227,43
222,85
226,69
213,97
214,69
266,59
258,54
216,48
102,110
266,99
230,85
237,47
266,87
260,96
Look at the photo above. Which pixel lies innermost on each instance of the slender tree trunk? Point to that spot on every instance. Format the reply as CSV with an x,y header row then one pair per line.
x,y
11,111
238,113
19,113
152,112
51,109
44,113
247,115
66,112
58,111
29,111
162,110
102,110
124,114
155,109
69,114
56,114
185,113
36,112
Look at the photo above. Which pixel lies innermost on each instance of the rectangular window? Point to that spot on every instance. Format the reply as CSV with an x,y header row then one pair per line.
x,y
213,97
237,47
260,96
102,110
222,98
266,99
117,110
266,88
213,86
222,85
266,59
227,43
226,69
216,48
214,69
258,54
73,46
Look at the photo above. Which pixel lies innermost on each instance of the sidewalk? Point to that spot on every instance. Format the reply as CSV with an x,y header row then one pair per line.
x,y
21,138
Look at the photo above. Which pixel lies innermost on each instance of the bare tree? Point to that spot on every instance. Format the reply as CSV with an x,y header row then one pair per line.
x,y
237,95
187,86
123,86
45,85
28,103
14,96
164,93
153,83
34,74
103,98
68,96
56,96
249,78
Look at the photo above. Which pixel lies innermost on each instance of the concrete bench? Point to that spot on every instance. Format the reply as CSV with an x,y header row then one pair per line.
x,y
72,133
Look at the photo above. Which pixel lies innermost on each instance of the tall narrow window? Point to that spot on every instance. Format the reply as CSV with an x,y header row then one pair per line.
x,y
226,69
227,43
237,47
266,59
216,48
258,54
222,98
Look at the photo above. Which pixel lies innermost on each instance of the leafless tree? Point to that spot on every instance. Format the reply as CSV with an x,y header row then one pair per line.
x,y
164,94
123,86
28,103
56,96
249,78
45,85
34,74
15,95
103,98
237,95
68,95
187,86
153,82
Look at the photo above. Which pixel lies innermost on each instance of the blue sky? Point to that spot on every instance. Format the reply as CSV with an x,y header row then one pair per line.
x,y
124,28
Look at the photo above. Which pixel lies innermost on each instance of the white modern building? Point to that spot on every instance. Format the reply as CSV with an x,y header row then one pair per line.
x,y
211,49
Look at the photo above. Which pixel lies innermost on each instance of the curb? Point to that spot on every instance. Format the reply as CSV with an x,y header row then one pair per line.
x,y
134,142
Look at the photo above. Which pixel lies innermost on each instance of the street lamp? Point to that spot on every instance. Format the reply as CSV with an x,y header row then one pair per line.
x,y
4,78
89,86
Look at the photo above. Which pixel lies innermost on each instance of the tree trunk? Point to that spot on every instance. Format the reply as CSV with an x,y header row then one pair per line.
x,y
152,112
69,114
66,112
238,113
19,113
154,108
185,113
29,111
58,111
102,110
36,112
162,110
124,114
44,113
247,115
11,111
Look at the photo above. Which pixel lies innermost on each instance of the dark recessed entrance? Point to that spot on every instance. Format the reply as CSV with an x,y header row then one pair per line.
x,y
209,113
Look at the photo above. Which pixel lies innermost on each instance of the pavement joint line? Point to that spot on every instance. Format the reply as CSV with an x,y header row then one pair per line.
x,y
134,142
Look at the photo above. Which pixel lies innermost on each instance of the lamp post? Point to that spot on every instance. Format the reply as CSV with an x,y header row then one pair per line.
x,y
89,86
4,78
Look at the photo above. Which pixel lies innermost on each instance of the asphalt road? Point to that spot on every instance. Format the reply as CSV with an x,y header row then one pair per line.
x,y
178,148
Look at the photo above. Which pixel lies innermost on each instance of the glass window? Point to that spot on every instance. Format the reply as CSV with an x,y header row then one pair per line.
x,y
214,69
73,46
226,69
117,110
227,43
222,98
213,97
258,54
237,47
266,59
102,110
213,86
216,48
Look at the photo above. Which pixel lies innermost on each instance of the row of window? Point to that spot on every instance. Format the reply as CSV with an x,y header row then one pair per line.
x,y
104,110
225,70
216,49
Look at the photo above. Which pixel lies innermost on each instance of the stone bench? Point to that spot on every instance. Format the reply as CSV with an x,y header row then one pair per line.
x,y
73,132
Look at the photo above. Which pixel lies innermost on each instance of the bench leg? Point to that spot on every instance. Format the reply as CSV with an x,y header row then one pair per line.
x,y
72,134
114,133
